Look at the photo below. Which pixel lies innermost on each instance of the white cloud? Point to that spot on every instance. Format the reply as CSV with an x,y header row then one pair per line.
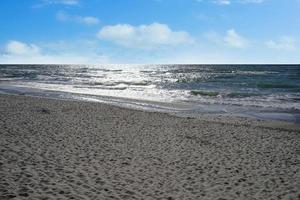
x,y
16,52
64,2
71,58
233,39
251,1
283,43
222,2
19,48
230,39
88,20
228,2
62,16
144,36
44,3
67,52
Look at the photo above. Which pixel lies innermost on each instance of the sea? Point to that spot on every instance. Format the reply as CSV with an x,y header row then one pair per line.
x,y
258,91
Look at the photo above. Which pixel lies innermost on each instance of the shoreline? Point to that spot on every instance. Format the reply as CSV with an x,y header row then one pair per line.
x,y
167,109
183,109
54,149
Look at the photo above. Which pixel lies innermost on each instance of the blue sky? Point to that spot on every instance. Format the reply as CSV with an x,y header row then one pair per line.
x,y
150,31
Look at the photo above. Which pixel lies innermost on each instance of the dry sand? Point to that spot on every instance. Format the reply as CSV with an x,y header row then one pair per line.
x,y
55,149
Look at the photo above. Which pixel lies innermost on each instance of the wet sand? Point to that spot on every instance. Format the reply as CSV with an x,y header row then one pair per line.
x,y
56,149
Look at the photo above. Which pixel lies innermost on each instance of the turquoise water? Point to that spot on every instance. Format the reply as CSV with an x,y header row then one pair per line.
x,y
229,88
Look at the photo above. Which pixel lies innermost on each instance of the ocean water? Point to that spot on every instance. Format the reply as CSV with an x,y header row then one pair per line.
x,y
262,91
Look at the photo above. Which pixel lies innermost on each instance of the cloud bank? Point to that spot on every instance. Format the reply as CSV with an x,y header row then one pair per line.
x,y
17,52
143,44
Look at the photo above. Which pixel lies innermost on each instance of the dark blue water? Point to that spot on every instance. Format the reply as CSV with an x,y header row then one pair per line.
x,y
229,88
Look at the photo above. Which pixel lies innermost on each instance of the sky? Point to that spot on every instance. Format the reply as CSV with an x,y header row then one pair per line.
x,y
150,31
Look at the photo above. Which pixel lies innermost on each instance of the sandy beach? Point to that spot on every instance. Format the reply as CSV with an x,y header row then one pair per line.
x,y
57,149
